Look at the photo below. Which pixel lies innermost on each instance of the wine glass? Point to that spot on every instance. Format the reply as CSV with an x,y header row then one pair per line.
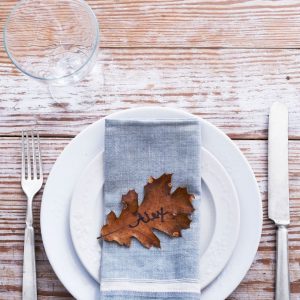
x,y
53,41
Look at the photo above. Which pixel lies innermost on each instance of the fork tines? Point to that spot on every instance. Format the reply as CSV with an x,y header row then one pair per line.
x,y
31,156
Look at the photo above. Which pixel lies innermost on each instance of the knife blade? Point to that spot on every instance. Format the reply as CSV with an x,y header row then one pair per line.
x,y
278,190
278,184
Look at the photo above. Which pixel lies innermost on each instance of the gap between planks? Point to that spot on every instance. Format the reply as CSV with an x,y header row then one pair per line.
x,y
62,137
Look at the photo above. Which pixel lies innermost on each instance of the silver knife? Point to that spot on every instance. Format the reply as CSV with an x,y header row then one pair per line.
x,y
278,190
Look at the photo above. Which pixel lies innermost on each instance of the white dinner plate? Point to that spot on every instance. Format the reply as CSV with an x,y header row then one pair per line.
x,y
219,217
75,157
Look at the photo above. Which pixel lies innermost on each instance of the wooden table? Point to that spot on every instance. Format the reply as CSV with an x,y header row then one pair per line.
x,y
226,61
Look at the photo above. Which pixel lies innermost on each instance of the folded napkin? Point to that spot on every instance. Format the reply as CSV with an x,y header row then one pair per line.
x,y
134,151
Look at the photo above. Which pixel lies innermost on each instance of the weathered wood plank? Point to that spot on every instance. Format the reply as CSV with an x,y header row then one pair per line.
x,y
231,88
190,23
258,284
12,217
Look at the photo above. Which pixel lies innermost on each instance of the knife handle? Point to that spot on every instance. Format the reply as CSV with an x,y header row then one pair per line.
x,y
282,267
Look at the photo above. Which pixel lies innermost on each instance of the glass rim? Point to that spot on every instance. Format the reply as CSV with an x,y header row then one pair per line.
x,y
14,61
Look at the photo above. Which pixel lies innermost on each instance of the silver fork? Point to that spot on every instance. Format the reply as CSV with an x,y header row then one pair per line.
x,y
32,180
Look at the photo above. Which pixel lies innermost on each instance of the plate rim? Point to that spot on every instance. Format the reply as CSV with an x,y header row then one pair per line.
x,y
258,205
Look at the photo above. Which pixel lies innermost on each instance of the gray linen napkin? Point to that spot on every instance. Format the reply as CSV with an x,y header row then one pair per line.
x,y
134,151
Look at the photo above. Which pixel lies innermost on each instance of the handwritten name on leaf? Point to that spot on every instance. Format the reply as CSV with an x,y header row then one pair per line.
x,y
146,218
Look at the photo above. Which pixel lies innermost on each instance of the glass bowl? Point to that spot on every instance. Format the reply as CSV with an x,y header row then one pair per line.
x,y
54,41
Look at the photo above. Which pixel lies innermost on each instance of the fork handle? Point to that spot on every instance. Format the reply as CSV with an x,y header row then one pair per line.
x,y
29,272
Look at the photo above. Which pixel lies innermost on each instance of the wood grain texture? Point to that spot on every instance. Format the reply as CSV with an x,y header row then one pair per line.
x,y
232,88
191,23
226,61
258,283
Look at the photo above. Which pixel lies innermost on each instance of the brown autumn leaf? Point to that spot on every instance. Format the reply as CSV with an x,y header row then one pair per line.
x,y
162,210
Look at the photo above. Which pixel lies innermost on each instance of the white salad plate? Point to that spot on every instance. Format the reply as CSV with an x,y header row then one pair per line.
x,y
219,217
55,209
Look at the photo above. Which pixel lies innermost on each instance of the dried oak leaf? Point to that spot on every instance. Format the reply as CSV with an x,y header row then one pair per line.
x,y
162,210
